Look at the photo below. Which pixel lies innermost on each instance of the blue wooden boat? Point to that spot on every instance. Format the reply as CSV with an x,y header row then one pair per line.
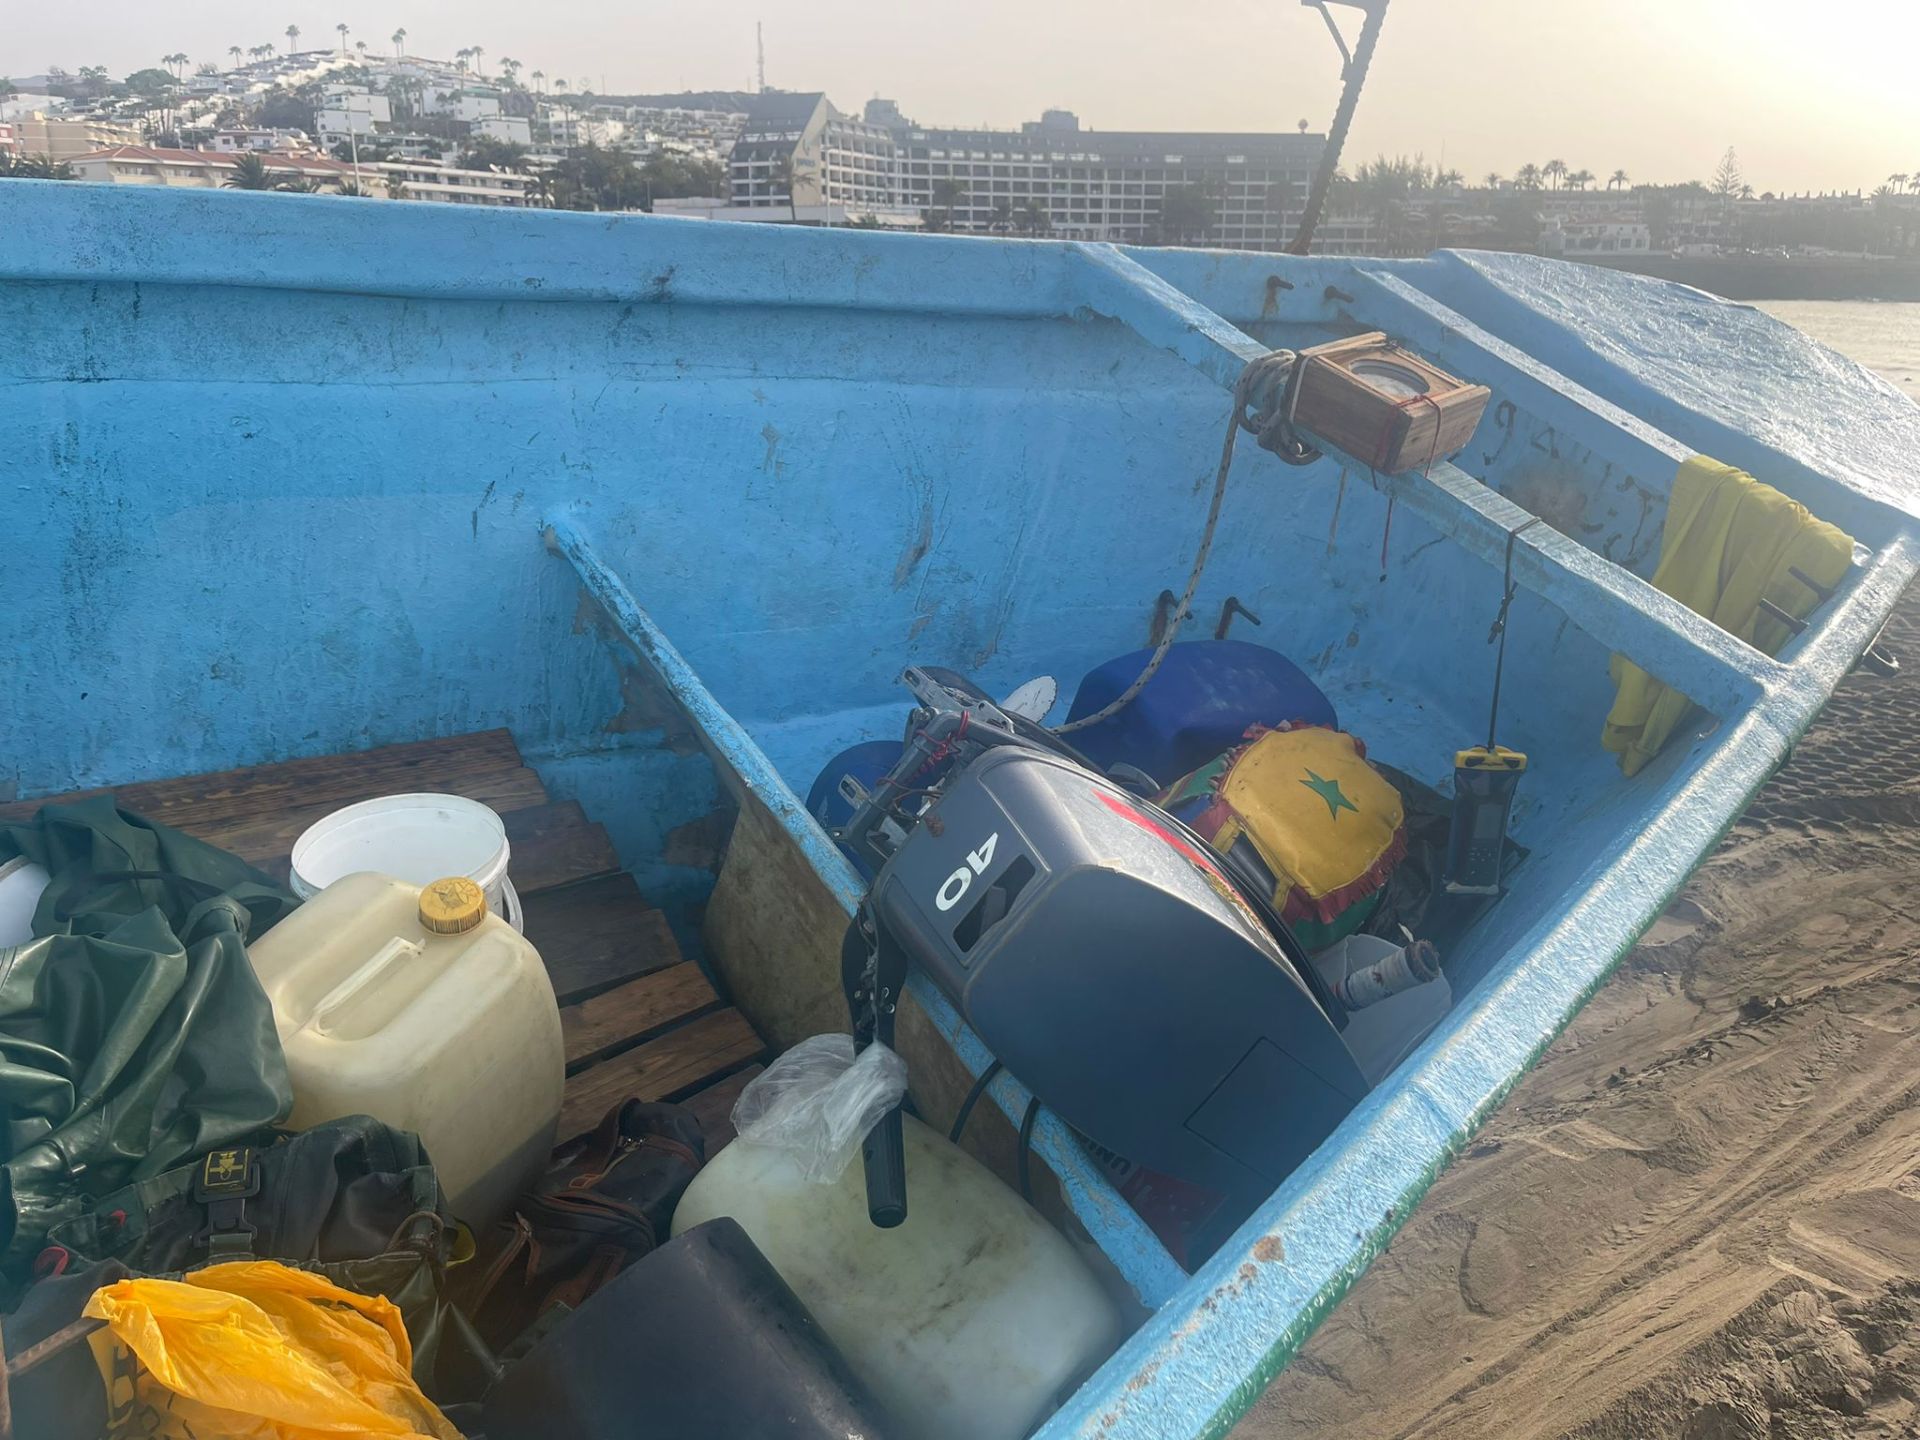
x,y
675,502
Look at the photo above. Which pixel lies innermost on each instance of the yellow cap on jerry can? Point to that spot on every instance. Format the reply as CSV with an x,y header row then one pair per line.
x,y
452,906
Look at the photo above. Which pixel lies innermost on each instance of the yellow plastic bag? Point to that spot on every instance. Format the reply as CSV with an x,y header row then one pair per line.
x,y
256,1351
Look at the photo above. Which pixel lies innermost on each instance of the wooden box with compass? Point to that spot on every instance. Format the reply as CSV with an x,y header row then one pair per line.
x,y
1383,405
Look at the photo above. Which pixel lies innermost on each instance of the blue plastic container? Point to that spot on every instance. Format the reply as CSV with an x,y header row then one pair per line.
x,y
1198,705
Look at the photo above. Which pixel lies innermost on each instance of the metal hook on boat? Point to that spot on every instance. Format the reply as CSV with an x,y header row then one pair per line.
x,y
1232,608
1162,616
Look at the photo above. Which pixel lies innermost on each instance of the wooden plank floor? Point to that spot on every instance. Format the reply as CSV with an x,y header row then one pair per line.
x,y
639,1020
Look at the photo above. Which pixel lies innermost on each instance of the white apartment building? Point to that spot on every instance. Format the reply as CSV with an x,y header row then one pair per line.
x,y
418,180
239,140
415,146
511,129
460,99
351,110
470,106
1050,176
674,130
1579,239
839,168
564,127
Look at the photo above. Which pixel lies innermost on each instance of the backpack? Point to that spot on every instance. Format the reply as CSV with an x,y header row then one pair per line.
x,y
606,1200
344,1190
354,1200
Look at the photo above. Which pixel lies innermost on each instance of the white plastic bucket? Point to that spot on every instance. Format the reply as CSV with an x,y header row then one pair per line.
x,y
415,838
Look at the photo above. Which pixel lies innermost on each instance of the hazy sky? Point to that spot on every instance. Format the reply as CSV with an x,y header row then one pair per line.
x,y
1813,95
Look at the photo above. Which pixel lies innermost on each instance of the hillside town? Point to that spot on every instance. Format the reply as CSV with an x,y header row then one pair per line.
x,y
374,120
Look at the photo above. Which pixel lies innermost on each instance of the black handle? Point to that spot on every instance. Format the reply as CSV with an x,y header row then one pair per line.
x,y
884,1156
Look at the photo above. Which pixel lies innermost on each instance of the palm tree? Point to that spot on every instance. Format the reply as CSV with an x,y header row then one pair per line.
x,y
1447,178
175,62
1034,219
1554,170
947,197
293,38
1580,179
267,49
1897,182
1492,179
1001,220
399,41
342,28
1618,179
250,173
361,46
236,52
538,76
509,68
32,167
1528,176
461,57
477,52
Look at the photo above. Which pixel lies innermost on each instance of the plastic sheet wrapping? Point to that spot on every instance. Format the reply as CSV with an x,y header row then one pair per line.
x,y
136,1035
819,1101
255,1350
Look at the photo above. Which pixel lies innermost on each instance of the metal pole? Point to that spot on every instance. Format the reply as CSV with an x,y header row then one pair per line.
x,y
1356,75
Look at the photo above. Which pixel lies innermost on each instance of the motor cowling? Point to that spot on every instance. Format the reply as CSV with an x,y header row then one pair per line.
x,y
1111,963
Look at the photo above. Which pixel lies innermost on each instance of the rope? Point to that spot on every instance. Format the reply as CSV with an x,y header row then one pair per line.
x,y
1273,382
1499,630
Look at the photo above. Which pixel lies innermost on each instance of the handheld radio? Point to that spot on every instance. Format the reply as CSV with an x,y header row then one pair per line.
x,y
1484,781
1485,777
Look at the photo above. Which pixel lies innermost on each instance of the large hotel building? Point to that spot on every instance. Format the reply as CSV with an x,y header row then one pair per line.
x,y
800,159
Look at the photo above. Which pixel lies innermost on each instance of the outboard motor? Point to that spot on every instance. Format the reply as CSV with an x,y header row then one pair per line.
x,y
1100,950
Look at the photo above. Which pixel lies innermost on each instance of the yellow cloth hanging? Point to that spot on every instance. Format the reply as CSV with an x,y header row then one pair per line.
x,y
1728,542
254,1350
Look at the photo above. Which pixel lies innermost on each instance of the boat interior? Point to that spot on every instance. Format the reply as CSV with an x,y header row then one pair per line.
x,y
627,527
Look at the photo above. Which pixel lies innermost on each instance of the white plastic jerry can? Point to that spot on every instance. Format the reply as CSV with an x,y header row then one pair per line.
x,y
971,1321
414,1005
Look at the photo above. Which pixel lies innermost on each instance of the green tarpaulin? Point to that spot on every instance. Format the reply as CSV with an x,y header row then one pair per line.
x,y
133,1034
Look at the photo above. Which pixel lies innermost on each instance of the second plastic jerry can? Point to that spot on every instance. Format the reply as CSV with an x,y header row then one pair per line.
x,y
971,1321
416,1006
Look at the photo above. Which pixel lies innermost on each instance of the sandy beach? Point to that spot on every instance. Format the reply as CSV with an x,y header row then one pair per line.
x,y
1700,1215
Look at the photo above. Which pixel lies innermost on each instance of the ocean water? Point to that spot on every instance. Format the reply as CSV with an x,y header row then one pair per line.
x,y
1883,335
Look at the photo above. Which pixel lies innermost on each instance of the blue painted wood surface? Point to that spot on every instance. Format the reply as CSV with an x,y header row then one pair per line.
x,y
276,469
